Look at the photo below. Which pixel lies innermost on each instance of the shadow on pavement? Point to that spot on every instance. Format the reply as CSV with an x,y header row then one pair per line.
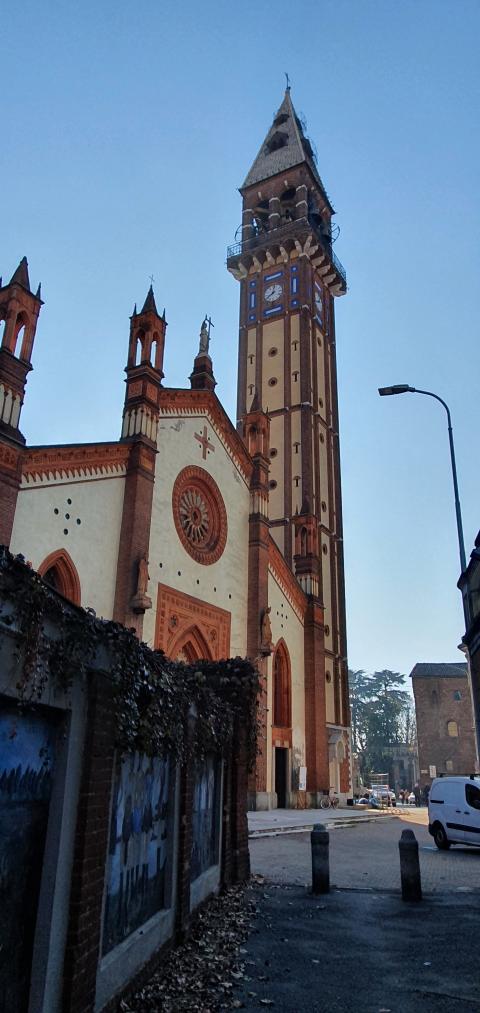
x,y
361,952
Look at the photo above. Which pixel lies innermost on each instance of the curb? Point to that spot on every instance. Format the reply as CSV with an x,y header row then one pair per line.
x,y
305,827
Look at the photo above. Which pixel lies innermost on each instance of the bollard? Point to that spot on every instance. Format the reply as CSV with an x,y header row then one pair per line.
x,y
320,861
409,866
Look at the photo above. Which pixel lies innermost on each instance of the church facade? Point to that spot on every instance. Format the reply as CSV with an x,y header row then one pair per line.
x,y
210,539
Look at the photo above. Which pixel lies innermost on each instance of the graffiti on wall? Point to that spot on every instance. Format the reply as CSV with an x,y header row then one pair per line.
x,y
206,797
27,752
136,874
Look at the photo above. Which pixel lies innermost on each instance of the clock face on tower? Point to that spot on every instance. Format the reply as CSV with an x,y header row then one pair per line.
x,y
273,293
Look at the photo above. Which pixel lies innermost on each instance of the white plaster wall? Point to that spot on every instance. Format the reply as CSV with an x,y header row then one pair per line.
x,y
286,624
223,583
92,544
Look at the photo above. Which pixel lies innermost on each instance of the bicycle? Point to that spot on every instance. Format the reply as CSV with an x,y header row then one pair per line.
x,y
330,801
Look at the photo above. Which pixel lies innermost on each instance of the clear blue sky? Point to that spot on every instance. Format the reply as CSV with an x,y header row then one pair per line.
x,y
126,130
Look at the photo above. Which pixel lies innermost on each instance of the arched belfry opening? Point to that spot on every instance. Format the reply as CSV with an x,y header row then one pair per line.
x,y
59,571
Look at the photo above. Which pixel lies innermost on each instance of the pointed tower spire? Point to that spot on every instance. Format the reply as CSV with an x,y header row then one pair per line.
x,y
149,304
20,276
284,146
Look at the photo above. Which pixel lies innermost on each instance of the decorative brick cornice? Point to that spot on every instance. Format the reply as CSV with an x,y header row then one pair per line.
x,y
87,460
286,579
174,402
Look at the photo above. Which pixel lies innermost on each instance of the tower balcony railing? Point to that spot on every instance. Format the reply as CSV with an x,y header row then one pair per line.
x,y
285,231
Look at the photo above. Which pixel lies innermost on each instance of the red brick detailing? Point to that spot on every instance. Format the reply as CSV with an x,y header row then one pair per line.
x,y
202,377
67,579
256,430
282,737
89,861
135,531
10,477
204,402
316,735
186,624
83,459
287,580
200,515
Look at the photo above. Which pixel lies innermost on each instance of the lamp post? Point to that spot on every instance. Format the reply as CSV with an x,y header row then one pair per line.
x,y
403,388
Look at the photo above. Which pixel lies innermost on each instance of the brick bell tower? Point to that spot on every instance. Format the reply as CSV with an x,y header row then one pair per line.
x,y
19,309
139,429
289,278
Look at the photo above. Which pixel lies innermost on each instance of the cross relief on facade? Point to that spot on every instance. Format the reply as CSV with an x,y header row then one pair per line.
x,y
204,443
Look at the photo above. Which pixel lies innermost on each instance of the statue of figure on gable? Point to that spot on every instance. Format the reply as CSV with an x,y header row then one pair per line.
x,y
204,339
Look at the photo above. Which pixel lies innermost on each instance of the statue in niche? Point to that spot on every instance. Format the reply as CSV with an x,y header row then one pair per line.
x,y
266,631
141,601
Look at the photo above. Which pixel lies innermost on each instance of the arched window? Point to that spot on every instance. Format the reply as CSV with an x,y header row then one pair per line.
x,y
282,695
59,571
452,729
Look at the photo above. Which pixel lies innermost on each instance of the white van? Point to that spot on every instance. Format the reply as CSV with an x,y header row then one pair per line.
x,y
454,811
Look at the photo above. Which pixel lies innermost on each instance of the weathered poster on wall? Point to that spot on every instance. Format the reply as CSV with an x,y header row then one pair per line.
x,y
27,752
138,849
206,816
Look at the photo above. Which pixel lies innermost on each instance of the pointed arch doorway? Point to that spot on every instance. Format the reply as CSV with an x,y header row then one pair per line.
x,y
190,629
282,722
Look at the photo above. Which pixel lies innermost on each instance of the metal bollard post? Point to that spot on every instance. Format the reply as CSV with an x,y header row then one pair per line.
x,y
320,861
409,866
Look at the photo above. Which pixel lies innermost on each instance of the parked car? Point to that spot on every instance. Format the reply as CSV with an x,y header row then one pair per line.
x,y
384,794
454,811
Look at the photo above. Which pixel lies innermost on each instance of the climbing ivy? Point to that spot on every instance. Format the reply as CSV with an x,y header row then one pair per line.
x,y
160,705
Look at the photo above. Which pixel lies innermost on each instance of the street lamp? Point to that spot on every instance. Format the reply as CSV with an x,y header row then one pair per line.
x,y
403,388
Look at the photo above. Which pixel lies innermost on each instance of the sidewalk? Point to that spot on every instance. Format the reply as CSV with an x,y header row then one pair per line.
x,y
360,952
270,822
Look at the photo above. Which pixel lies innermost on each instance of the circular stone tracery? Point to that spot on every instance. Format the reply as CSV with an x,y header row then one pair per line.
x,y
200,515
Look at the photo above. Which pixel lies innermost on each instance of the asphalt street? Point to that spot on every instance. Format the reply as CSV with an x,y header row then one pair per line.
x,y
356,951
366,857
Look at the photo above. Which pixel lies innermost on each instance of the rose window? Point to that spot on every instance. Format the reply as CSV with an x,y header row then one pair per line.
x,y
199,514
194,516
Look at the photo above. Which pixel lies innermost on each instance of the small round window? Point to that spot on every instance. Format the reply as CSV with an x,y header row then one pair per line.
x,y
273,351
272,381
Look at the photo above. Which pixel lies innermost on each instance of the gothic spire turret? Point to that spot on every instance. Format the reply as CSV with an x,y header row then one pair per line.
x,y
20,276
149,305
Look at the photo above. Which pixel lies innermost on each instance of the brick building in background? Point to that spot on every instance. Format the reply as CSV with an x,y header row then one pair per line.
x,y
445,730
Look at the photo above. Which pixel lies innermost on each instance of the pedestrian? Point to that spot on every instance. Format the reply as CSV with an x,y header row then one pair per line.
x,y
426,793
416,792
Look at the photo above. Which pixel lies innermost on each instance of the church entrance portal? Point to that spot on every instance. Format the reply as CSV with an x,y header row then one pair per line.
x,y
281,767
